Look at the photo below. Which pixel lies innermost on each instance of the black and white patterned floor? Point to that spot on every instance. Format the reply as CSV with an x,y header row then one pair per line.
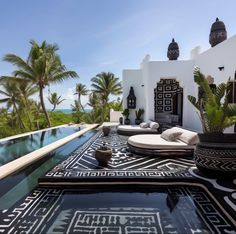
x,y
134,194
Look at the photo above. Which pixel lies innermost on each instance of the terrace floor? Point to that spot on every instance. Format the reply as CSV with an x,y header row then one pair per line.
x,y
134,194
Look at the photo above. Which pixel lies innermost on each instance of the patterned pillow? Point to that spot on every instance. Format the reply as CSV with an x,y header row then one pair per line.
x,y
144,125
170,134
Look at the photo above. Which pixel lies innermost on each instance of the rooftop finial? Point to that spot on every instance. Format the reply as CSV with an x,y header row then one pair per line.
x,y
218,33
173,50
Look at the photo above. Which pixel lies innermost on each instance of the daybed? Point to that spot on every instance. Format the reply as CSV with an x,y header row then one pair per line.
x,y
130,130
178,142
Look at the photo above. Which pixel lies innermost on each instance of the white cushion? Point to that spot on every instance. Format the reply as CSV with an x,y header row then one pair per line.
x,y
187,136
134,128
144,125
154,125
149,141
171,134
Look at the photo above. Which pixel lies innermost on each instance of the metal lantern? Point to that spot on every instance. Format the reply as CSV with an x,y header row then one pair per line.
x,y
131,99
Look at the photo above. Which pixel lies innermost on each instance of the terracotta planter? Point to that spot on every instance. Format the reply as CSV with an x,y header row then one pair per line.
x,y
106,130
216,154
103,156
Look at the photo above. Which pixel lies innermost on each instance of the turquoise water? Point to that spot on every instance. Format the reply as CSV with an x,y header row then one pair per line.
x,y
15,148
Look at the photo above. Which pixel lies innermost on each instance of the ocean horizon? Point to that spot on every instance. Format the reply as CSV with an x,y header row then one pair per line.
x,y
69,111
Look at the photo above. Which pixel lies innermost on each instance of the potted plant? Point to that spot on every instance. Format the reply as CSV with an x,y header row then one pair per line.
x,y
139,116
216,150
103,155
106,130
125,113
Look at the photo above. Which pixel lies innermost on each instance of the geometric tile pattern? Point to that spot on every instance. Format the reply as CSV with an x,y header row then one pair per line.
x,y
82,163
125,166
179,199
178,209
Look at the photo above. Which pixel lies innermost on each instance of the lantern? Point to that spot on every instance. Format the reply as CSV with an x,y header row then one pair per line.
x,y
131,99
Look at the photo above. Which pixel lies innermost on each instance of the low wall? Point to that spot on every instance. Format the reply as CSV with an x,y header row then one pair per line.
x,y
115,115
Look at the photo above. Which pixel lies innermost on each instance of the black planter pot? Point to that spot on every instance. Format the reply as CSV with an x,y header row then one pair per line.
x,y
121,120
215,154
138,121
127,121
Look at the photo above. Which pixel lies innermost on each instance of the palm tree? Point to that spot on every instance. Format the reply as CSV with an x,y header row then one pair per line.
x,y
27,89
55,100
81,90
12,99
105,84
43,67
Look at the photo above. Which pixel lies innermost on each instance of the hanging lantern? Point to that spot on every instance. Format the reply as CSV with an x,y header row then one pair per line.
x,y
131,99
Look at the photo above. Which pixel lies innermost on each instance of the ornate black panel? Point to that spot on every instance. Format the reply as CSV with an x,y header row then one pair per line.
x,y
168,100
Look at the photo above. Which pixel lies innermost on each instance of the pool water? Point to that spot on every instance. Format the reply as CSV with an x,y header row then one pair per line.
x,y
176,209
17,185
15,148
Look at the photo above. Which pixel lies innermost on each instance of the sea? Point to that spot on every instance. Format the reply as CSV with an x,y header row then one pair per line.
x,y
69,111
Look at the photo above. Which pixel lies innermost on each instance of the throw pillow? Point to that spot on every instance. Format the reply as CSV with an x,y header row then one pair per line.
x,y
189,137
144,125
170,134
154,125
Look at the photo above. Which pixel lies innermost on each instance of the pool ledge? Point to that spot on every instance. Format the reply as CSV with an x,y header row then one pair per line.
x,y
27,159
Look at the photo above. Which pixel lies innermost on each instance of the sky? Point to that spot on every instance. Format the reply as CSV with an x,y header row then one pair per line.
x,y
108,35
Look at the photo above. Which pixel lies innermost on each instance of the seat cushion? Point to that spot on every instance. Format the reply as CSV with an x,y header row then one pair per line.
x,y
149,141
135,129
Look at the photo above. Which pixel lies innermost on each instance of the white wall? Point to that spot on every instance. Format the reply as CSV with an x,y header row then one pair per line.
x,y
115,115
133,78
223,54
144,80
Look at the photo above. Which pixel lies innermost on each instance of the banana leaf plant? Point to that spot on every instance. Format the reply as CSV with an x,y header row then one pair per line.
x,y
215,113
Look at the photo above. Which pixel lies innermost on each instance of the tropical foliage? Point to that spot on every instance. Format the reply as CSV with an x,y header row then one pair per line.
x,y
43,67
55,100
31,76
215,113
105,84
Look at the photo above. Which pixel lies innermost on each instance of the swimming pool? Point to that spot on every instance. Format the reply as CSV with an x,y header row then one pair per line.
x,y
17,185
15,148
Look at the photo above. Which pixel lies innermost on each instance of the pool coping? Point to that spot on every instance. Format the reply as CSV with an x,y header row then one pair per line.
x,y
28,159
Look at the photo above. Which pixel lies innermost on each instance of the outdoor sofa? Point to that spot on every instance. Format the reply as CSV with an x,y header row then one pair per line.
x,y
175,141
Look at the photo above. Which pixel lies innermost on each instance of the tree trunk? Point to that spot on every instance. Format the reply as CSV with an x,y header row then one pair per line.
x,y
43,107
18,115
27,113
79,99
54,107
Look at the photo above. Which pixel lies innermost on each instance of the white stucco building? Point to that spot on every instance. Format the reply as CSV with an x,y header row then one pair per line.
x,y
218,61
